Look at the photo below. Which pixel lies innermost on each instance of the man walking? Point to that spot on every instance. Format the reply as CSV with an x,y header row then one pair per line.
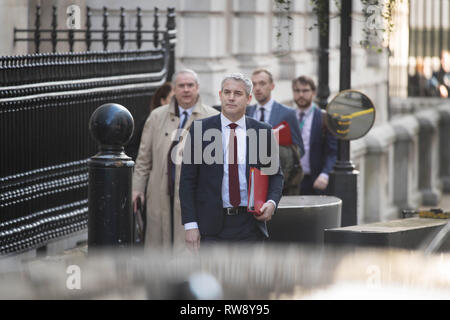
x,y
320,144
214,195
156,173
272,112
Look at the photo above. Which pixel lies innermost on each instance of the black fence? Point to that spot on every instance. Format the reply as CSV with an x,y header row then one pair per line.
x,y
106,35
46,101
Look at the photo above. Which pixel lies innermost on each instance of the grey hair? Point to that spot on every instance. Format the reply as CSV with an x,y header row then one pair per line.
x,y
239,77
189,71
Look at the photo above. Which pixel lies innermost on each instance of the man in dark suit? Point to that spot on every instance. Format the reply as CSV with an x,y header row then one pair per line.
x,y
214,175
272,112
320,144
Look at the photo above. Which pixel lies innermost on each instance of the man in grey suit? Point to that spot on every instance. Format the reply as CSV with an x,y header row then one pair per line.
x,y
272,112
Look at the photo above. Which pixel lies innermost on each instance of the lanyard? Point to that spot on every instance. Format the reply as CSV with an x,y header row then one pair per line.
x,y
302,123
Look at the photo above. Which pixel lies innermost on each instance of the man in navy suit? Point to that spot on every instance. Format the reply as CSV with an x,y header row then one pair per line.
x,y
272,112
214,190
320,144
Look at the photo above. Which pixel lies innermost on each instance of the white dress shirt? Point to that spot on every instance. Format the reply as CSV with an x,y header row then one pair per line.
x,y
267,110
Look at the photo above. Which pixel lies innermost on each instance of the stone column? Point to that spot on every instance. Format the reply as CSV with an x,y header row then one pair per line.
x,y
429,184
13,14
252,34
379,175
297,53
399,49
358,151
406,160
203,30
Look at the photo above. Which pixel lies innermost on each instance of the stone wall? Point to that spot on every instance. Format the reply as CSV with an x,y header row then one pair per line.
x,y
12,14
405,161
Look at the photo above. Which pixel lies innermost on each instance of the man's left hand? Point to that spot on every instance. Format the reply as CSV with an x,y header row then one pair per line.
x,y
321,183
267,211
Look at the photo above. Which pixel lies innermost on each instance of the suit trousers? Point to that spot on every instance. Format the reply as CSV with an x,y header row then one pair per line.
x,y
236,228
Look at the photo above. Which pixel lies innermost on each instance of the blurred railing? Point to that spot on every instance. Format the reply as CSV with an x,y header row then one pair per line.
x,y
46,101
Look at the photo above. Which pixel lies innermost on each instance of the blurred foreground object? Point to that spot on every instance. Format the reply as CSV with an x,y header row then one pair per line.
x,y
251,272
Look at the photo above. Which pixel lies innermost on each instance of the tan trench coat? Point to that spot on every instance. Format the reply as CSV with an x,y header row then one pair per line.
x,y
151,171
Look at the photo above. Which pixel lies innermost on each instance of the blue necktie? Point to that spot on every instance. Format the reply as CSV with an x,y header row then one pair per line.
x,y
262,114
185,114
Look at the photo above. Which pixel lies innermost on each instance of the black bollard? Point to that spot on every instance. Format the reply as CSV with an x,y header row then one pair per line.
x,y
110,174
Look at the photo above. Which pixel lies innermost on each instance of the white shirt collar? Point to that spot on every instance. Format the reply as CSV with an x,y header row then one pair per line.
x,y
306,111
189,111
225,121
267,107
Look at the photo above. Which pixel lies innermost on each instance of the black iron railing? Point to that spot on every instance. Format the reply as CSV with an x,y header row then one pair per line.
x,y
106,35
46,100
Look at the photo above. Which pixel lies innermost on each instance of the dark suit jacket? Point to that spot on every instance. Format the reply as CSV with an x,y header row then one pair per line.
x,y
322,147
281,113
201,184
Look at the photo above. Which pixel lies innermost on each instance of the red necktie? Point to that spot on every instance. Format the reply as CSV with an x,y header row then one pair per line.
x,y
233,169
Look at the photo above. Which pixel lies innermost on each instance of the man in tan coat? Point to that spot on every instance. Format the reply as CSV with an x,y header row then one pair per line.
x,y
155,173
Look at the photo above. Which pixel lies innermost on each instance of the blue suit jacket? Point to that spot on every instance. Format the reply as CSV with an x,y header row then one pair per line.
x,y
322,148
278,114
201,184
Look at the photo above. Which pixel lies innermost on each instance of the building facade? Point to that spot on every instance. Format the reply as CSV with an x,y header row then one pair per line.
x,y
217,37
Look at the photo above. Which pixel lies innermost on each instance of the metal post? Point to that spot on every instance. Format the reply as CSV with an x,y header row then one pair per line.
x,y
172,31
425,29
37,32
54,27
155,28
343,178
323,90
122,28
105,29
88,29
138,28
432,31
110,172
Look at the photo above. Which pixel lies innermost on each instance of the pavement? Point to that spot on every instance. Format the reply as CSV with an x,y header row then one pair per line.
x,y
77,244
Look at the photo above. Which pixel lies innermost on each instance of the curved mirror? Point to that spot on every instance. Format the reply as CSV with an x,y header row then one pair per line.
x,y
350,115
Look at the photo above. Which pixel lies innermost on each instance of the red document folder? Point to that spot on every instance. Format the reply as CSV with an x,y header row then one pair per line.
x,y
282,132
257,190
